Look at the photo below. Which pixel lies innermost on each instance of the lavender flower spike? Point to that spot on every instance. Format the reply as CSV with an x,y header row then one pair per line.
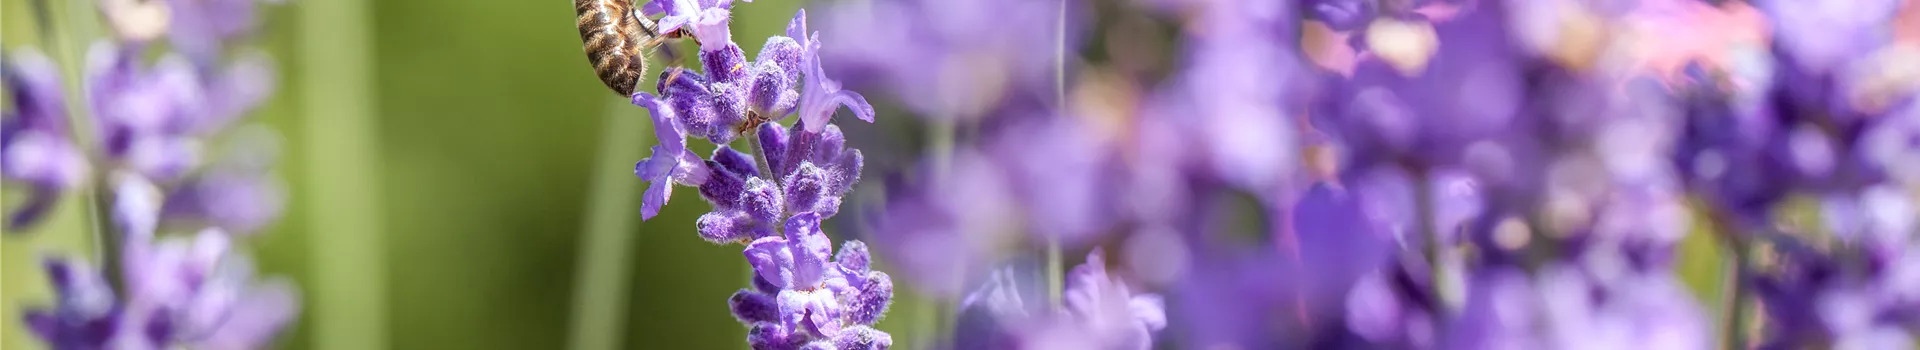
x,y
821,96
34,146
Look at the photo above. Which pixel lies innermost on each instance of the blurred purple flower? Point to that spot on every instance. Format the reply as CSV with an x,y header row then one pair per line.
x,y
945,230
237,199
953,59
180,291
1098,311
154,119
85,315
1034,180
1230,100
35,148
1847,296
202,29
1431,93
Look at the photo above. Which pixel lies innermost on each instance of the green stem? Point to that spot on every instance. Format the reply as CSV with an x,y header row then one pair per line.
x,y
1056,274
65,45
340,145
759,156
601,281
1737,297
1433,249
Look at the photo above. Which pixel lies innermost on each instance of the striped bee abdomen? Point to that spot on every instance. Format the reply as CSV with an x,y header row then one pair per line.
x,y
612,37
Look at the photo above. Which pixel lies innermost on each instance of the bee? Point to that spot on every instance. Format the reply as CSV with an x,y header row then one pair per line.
x,y
617,39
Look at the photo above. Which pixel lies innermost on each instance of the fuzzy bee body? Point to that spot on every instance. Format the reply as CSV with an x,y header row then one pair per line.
x,y
615,39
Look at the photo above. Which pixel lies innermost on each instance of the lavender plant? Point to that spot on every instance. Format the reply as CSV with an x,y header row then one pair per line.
x,y
1481,174
152,284
804,296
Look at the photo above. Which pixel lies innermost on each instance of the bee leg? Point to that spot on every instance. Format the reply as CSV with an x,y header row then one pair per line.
x,y
675,76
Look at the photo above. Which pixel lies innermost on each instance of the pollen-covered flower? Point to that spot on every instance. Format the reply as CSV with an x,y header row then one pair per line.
x,y
706,18
806,296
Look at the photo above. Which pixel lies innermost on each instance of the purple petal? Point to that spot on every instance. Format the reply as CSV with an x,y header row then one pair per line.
x,y
1150,310
797,28
136,207
773,145
793,308
750,307
666,127
822,314
770,88
863,338
43,324
871,304
853,255
811,249
763,200
831,145
658,170
724,65
36,207
771,260
820,97
711,28
735,162
772,336
806,189
726,226
257,317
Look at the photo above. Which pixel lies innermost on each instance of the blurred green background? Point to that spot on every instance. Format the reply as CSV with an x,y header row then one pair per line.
x,y
487,125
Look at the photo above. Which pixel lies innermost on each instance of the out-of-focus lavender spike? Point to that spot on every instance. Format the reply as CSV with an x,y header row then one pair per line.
x,y
951,60
35,147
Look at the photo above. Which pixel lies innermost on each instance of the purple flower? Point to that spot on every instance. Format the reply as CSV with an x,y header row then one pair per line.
x,y
945,231
1098,311
733,95
1230,101
809,297
707,19
1101,311
1806,32
1433,91
821,96
1824,297
952,59
191,291
240,201
202,29
85,315
671,161
148,120
34,144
